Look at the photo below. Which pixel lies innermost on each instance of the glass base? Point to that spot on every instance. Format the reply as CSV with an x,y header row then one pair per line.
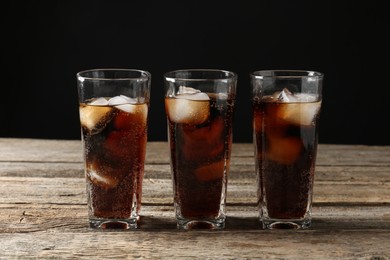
x,y
286,223
113,223
213,224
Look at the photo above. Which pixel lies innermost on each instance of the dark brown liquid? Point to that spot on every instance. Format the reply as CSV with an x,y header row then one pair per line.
x,y
200,154
114,156
286,153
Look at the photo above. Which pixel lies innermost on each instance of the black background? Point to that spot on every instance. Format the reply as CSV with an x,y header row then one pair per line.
x,y
45,43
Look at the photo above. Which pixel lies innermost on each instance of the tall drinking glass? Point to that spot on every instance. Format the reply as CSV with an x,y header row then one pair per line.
x,y
286,109
114,106
199,106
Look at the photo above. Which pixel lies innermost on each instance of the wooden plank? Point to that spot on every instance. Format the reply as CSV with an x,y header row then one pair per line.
x,y
41,169
43,211
19,150
17,218
61,231
255,244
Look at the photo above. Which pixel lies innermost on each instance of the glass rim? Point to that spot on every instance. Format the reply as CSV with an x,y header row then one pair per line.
x,y
280,74
144,75
230,75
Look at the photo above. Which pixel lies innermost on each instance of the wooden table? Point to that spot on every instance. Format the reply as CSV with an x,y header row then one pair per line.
x,y
43,211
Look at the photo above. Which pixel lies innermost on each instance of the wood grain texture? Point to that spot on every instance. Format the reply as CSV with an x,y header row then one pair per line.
x,y
43,210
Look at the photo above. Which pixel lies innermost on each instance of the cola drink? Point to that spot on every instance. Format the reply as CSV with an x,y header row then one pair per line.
x,y
199,105
200,137
113,106
285,129
114,133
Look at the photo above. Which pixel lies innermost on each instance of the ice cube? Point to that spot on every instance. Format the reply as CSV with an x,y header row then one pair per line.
x,y
129,105
95,117
99,102
299,113
219,96
205,142
128,108
131,116
121,100
100,177
189,108
285,150
285,96
196,96
304,97
211,171
187,90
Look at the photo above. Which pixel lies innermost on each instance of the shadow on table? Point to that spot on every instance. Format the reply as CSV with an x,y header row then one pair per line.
x,y
151,223
232,223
